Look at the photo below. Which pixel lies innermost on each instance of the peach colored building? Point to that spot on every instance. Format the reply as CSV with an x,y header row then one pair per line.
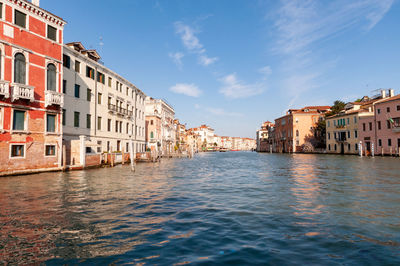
x,y
295,129
153,132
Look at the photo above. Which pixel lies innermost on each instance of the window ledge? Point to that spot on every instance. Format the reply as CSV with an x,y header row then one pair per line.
x,y
20,132
52,134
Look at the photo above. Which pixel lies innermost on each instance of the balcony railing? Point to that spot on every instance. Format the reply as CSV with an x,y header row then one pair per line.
x,y
22,91
119,110
5,88
112,107
53,97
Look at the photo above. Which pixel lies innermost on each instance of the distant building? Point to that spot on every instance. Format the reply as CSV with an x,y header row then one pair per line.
x,y
262,137
31,99
294,131
154,132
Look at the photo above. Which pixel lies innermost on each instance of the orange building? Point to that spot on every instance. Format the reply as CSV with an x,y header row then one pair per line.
x,y
30,88
295,129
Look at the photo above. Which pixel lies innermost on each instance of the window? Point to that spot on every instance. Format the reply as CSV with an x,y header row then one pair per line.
x,y
99,146
116,126
77,66
151,135
101,77
64,86
398,107
109,125
348,136
116,85
17,150
120,127
77,90
388,124
19,69
51,123
50,150
20,19
99,123
348,147
335,147
1,10
99,95
66,61
88,120
297,133
380,142
88,94
127,91
127,128
109,100
19,120
355,119
329,135
89,72
370,126
387,109
76,119
329,123
355,134
334,123
151,122
109,81
51,33
108,146
356,147
51,77
348,122
64,117
127,147
379,125
363,126
389,142
379,111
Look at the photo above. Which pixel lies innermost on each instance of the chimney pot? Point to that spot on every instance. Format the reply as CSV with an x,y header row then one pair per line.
x,y
36,2
383,93
391,93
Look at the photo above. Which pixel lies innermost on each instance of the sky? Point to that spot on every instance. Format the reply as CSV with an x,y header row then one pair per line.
x,y
233,64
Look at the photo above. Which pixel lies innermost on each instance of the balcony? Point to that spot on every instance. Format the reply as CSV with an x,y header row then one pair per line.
x,y
22,91
54,98
5,88
119,110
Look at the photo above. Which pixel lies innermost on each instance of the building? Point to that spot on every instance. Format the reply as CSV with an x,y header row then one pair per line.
x,y
294,131
30,88
206,135
262,137
380,132
167,113
103,108
154,132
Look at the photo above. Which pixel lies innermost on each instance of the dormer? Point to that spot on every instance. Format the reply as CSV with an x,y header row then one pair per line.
x,y
77,46
92,54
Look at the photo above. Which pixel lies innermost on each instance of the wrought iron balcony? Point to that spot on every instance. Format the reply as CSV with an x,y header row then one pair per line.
x,y
22,91
5,88
112,107
54,98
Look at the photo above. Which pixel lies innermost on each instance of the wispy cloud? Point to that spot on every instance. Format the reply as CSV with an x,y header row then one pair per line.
x,y
218,111
177,58
234,88
304,27
186,89
192,43
265,71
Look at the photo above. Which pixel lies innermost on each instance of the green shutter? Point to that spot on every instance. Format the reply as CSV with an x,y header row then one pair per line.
x,y
19,120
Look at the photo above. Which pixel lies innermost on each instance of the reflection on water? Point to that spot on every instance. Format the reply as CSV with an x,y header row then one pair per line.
x,y
242,208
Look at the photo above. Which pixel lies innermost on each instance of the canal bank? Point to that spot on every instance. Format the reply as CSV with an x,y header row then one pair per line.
x,y
218,208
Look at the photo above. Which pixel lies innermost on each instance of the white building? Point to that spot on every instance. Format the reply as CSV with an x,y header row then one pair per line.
x,y
206,134
100,104
168,128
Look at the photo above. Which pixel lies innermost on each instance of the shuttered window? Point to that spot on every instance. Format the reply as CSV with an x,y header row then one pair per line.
x,y
19,69
76,119
19,120
51,77
20,19
51,123
88,121
51,33
66,61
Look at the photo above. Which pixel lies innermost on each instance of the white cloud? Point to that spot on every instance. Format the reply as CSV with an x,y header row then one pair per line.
x,y
186,89
234,88
266,71
218,111
177,58
192,43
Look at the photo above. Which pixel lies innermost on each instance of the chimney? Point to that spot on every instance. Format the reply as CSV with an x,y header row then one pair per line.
x,y
383,93
391,92
36,2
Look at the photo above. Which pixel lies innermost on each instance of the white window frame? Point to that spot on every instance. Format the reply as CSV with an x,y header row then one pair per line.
x,y
55,123
58,89
26,118
17,157
26,54
27,28
55,151
57,33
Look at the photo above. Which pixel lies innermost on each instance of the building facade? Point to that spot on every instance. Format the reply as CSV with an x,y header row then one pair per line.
x,y
100,105
262,137
30,88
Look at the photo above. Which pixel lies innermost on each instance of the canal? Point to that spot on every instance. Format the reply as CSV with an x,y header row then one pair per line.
x,y
217,208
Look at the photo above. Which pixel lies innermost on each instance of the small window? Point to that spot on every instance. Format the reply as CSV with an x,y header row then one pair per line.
x,y
389,142
77,90
348,135
329,123
101,77
99,123
348,147
127,147
127,128
77,66
388,124
76,119
99,146
329,146
89,72
380,142
109,125
50,150
66,61
398,107
17,150
64,86
335,147
109,81
355,119
356,147
363,126
329,135
88,121
370,126
99,96
388,109
151,135
19,120
379,111
64,117
116,126
151,122
51,77
1,10
51,123
20,19
355,134
379,125
88,94
51,33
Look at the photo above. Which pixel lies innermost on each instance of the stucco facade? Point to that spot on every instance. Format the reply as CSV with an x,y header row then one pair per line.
x,y
99,104
30,83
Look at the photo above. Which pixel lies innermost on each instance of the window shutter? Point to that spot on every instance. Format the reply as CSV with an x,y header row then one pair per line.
x,y
51,77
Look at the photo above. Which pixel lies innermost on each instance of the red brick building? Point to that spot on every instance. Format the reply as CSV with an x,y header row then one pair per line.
x,y
30,87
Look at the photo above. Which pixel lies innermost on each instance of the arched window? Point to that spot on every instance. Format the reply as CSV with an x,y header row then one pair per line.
x,y
19,69
297,133
51,77
151,135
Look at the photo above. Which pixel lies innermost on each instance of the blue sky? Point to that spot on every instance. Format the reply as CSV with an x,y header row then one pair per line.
x,y
233,64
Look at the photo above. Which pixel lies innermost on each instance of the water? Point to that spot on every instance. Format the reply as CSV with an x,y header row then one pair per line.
x,y
218,208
